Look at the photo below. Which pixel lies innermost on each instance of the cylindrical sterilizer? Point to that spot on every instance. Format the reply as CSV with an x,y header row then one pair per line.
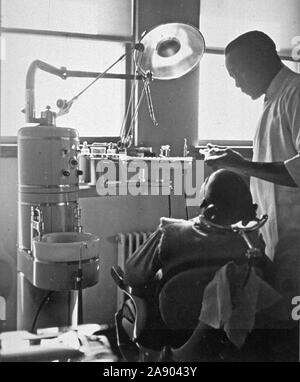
x,y
56,260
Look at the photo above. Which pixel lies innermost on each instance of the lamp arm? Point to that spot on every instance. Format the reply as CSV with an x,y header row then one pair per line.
x,y
63,73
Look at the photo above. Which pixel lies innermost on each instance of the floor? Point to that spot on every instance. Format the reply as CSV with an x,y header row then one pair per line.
x,y
267,346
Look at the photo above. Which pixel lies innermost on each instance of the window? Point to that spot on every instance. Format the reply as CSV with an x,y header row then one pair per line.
x,y
81,35
225,113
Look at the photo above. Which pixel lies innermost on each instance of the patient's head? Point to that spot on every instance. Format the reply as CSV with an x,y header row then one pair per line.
x,y
226,199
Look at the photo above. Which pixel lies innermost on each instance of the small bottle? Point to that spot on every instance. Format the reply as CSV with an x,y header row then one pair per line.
x,y
84,163
185,148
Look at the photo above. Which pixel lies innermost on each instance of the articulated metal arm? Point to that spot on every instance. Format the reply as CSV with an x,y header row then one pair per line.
x,y
63,73
259,222
242,231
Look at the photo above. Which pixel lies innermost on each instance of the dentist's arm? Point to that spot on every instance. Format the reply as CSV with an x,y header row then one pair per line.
x,y
275,172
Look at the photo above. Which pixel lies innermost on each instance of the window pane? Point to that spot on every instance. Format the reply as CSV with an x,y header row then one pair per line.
x,y
223,20
99,111
110,17
225,113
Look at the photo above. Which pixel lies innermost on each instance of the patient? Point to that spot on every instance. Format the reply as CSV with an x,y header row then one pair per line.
x,y
179,244
192,252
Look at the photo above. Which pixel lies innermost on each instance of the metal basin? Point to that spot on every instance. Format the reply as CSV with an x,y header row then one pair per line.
x,y
66,246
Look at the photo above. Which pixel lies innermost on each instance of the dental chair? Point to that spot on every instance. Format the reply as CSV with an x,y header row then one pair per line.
x,y
146,324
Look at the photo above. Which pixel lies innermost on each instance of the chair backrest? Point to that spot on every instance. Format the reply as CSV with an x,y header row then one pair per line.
x,y
180,299
136,305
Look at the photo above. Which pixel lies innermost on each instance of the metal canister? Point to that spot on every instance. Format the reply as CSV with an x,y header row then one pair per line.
x,y
47,178
48,160
48,183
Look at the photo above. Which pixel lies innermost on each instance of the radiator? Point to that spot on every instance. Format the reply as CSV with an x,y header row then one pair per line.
x,y
127,245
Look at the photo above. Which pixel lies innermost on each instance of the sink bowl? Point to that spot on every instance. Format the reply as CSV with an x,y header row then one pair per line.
x,y
66,246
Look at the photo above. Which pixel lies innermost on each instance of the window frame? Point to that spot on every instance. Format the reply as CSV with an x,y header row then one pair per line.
x,y
8,144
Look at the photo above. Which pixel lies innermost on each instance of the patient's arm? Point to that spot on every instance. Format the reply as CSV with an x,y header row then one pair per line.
x,y
142,266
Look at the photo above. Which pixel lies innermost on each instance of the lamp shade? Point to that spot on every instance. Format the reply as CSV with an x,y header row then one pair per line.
x,y
170,50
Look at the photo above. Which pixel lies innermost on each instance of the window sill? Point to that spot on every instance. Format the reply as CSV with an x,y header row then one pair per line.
x,y
8,150
9,147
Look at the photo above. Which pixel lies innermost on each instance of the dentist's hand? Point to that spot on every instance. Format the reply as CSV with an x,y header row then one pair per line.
x,y
218,157
222,157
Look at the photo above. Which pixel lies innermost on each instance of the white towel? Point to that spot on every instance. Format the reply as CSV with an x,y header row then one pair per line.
x,y
229,305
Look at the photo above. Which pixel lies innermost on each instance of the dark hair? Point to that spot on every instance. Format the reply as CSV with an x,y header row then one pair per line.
x,y
255,41
231,195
